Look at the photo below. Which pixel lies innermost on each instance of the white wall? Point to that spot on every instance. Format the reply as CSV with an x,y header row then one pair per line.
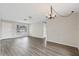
x,y
8,30
36,30
0,29
21,33
63,30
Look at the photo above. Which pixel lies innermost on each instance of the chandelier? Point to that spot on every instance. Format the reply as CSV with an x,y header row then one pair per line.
x,y
53,13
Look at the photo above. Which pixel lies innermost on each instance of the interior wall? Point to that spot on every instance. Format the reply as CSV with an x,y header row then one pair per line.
x,y
21,33
36,30
9,30
6,30
63,30
0,29
78,31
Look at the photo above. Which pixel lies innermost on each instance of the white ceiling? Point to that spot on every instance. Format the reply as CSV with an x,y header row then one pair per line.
x,y
38,11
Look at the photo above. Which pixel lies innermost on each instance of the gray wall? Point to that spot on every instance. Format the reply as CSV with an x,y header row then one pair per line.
x,y
63,30
78,32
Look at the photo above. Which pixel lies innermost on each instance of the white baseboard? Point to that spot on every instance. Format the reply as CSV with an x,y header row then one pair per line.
x,y
37,37
13,37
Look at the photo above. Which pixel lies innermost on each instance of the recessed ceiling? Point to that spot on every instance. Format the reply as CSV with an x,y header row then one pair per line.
x,y
37,11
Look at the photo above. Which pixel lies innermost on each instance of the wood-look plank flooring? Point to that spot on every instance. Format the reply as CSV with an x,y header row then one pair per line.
x,y
29,46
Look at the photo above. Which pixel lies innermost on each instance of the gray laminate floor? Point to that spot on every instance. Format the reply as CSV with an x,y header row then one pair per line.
x,y
29,46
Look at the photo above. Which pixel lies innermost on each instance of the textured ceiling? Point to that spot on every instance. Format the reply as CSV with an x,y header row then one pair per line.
x,y
37,11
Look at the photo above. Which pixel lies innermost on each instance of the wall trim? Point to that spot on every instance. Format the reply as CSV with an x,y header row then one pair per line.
x,y
37,37
62,44
13,38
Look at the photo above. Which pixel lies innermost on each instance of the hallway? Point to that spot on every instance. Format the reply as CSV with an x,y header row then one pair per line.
x,y
29,46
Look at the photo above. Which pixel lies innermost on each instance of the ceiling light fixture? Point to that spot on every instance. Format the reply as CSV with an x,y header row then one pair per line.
x,y
53,13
